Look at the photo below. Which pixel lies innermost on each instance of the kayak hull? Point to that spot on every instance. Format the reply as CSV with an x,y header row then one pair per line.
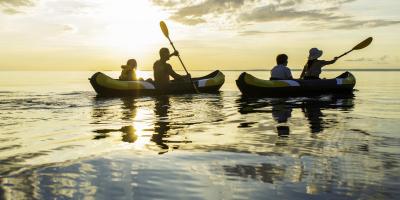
x,y
106,86
252,86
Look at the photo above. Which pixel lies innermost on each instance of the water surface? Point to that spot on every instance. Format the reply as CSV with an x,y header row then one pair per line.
x,y
59,140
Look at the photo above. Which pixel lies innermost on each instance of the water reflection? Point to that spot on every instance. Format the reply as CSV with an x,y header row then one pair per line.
x,y
162,123
128,133
281,110
105,110
281,113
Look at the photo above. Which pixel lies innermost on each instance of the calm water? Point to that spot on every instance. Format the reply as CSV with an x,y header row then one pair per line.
x,y
58,140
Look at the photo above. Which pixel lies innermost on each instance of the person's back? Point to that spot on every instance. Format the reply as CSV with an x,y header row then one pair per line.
x,y
281,71
162,70
161,73
313,67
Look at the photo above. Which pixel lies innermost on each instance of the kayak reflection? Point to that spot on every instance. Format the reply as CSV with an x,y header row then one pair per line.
x,y
281,110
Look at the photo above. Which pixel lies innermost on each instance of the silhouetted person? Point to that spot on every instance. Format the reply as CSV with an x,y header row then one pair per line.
x,y
281,71
313,67
162,70
129,71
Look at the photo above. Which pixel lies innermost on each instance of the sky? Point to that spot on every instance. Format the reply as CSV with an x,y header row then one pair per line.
x,y
209,34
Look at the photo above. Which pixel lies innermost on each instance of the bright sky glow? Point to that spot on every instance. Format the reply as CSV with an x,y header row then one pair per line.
x,y
241,34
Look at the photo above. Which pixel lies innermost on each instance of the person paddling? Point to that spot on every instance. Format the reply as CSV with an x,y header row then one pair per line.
x,y
313,67
281,71
162,70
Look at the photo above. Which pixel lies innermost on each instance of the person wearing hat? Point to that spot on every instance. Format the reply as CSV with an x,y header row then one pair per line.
x,y
313,68
129,71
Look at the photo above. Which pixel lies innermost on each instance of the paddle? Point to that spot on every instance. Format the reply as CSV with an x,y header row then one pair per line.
x,y
164,29
359,46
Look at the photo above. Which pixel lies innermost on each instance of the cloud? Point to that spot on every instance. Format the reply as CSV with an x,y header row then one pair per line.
x,y
167,3
380,60
11,11
354,24
359,60
193,13
17,3
272,13
255,32
310,14
11,7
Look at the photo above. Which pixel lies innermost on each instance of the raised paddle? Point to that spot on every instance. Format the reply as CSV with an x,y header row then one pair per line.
x,y
359,46
164,29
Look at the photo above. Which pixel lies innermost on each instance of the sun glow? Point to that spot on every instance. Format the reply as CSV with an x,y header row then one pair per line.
x,y
140,126
131,26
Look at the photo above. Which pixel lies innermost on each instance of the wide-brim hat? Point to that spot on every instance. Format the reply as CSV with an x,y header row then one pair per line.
x,y
315,54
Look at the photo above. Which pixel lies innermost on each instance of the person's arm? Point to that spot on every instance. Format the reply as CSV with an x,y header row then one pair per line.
x,y
172,73
289,74
324,62
303,73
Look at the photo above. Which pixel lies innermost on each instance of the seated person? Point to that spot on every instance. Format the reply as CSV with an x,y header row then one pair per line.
x,y
162,70
313,67
281,71
129,71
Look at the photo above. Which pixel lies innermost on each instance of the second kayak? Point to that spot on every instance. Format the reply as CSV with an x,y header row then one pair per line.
x,y
252,86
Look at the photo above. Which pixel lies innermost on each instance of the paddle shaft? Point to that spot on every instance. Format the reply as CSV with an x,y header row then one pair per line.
x,y
184,67
179,57
344,54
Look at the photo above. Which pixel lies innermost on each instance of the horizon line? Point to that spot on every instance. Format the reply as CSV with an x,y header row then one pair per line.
x,y
259,69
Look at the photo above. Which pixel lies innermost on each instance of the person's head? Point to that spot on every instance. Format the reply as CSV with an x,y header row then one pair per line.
x,y
314,54
132,62
164,53
130,65
282,59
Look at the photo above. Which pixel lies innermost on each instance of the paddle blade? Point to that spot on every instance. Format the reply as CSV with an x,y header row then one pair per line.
x,y
164,28
363,44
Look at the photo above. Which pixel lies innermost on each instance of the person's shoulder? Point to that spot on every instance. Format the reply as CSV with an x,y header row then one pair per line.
x,y
287,68
156,64
275,67
167,65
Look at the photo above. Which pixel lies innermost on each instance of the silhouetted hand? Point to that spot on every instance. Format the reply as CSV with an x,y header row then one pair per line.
x,y
176,53
335,58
